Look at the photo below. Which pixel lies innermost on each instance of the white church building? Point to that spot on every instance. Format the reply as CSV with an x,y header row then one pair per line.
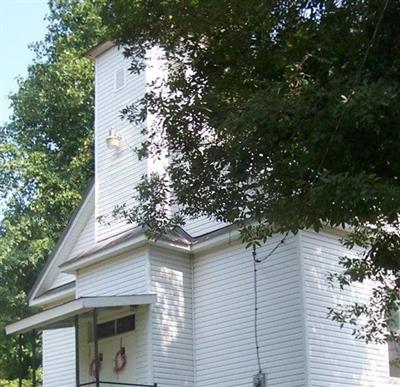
x,y
119,309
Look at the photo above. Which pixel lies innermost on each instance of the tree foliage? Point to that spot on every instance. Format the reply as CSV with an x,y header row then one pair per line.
x,y
46,159
284,114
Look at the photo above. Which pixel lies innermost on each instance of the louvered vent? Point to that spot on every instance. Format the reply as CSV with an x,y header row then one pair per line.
x,y
119,78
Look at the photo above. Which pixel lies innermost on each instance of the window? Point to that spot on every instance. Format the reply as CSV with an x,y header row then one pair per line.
x,y
105,329
116,327
125,324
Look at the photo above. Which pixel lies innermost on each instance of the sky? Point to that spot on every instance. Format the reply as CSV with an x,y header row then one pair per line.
x,y
21,23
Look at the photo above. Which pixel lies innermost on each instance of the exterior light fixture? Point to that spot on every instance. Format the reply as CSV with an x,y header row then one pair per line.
x,y
113,140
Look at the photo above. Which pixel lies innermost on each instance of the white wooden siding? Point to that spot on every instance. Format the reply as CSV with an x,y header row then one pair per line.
x,y
120,275
117,171
86,237
172,331
143,348
224,317
335,357
59,357
61,279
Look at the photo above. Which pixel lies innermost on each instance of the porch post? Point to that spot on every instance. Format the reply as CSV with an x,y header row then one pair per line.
x,y
20,360
33,338
96,347
77,369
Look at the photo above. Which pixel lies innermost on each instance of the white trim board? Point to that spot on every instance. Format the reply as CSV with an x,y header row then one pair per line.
x,y
62,313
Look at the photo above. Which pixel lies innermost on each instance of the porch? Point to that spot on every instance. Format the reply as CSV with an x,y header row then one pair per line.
x,y
106,338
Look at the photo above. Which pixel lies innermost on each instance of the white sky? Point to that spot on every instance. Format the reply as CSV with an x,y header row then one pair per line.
x,y
21,23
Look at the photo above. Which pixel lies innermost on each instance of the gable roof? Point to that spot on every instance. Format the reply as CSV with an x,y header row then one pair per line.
x,y
63,259
65,242
99,48
122,242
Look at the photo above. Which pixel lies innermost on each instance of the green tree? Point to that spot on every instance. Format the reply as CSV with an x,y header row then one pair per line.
x,y
284,114
46,159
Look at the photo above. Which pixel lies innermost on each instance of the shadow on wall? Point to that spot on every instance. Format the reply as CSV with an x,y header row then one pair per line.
x,y
335,356
170,295
172,350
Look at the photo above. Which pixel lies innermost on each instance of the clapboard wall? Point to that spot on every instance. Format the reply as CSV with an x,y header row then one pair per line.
x,y
224,316
121,275
335,358
59,357
86,238
117,171
172,314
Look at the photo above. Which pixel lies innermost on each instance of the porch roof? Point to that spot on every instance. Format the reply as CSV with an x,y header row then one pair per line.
x,y
62,315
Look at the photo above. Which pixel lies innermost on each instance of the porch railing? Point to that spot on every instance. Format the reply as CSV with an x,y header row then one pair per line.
x,y
101,382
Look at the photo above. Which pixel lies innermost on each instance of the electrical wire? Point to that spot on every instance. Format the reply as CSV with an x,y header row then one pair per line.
x,y
274,249
255,261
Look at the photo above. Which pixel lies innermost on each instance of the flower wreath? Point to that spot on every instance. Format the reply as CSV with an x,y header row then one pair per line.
x,y
93,366
119,361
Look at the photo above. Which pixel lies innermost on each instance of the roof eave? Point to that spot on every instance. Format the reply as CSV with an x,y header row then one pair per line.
x,y
99,49
63,312
36,286
55,295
